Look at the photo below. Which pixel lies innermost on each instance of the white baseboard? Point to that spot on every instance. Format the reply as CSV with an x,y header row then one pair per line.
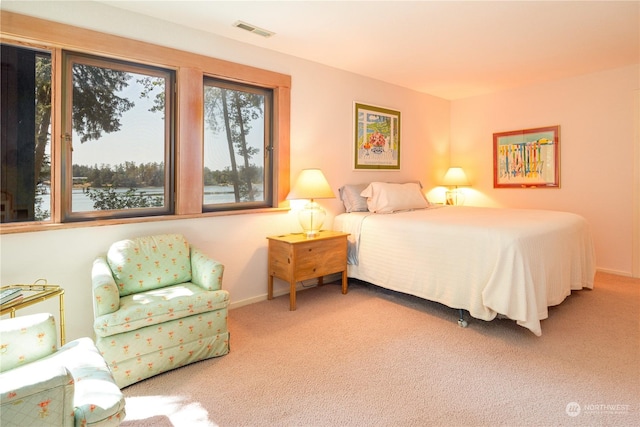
x,y
616,272
305,284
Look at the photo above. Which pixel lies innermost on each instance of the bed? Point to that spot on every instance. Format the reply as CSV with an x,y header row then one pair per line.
x,y
487,261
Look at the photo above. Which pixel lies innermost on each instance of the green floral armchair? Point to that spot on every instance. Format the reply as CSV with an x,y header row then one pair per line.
x,y
42,385
158,305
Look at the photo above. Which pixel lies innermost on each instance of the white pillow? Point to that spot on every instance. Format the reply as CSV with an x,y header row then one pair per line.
x,y
383,197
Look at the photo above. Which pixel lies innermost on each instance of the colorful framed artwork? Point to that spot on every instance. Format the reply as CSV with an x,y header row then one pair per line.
x,y
527,158
376,138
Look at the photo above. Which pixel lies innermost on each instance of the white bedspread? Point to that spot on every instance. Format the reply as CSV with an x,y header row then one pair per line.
x,y
488,261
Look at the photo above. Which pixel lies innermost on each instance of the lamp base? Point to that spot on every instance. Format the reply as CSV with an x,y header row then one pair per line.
x,y
311,219
455,197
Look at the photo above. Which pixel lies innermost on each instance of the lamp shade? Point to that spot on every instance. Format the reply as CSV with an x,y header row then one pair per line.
x,y
455,177
311,184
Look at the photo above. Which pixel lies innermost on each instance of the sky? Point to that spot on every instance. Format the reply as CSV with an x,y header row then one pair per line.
x,y
141,138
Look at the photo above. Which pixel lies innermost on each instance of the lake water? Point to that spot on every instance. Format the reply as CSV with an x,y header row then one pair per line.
x,y
80,201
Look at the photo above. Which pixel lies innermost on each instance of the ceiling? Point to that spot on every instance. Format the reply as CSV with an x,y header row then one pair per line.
x,y
450,49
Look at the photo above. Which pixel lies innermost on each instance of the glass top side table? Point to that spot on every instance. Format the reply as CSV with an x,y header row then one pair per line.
x,y
33,294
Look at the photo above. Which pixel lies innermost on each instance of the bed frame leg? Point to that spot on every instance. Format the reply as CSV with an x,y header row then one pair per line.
x,y
461,322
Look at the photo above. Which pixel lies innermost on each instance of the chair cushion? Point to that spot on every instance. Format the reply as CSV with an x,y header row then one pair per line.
x,y
149,262
24,339
158,306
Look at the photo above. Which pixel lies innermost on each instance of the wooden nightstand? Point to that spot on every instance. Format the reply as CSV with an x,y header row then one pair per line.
x,y
294,257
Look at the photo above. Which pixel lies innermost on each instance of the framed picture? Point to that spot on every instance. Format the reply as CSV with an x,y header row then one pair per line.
x,y
376,138
527,158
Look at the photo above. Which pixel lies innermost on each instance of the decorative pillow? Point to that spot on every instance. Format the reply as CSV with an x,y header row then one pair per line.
x,y
385,197
149,262
351,198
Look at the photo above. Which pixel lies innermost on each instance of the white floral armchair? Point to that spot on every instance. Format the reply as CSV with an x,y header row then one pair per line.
x,y
42,385
158,305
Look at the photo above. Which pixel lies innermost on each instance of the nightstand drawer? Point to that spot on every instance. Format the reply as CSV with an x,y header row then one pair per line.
x,y
314,259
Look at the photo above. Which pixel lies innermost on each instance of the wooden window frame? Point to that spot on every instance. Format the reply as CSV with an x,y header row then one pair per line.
x,y
70,215
190,70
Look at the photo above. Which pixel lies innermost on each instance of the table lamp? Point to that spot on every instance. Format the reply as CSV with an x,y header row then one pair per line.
x,y
311,184
455,177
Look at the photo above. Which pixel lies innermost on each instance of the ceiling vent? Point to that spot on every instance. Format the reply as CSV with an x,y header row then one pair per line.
x,y
253,29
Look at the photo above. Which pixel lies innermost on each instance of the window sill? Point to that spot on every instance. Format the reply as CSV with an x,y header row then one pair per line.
x,y
47,226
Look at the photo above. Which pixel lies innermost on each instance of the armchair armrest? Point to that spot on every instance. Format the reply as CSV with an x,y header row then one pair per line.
x,y
40,393
106,297
25,339
205,271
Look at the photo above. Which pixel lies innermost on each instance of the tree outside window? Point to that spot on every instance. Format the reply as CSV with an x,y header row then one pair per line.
x,y
237,141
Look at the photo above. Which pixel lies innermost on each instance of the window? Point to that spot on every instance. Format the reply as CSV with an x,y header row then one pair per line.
x,y
117,157
237,146
93,103
25,121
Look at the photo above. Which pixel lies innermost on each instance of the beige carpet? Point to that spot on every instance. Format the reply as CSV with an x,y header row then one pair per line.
x,y
377,358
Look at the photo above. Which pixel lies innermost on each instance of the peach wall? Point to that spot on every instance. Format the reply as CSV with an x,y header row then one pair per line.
x,y
321,131
597,114
322,128
590,109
